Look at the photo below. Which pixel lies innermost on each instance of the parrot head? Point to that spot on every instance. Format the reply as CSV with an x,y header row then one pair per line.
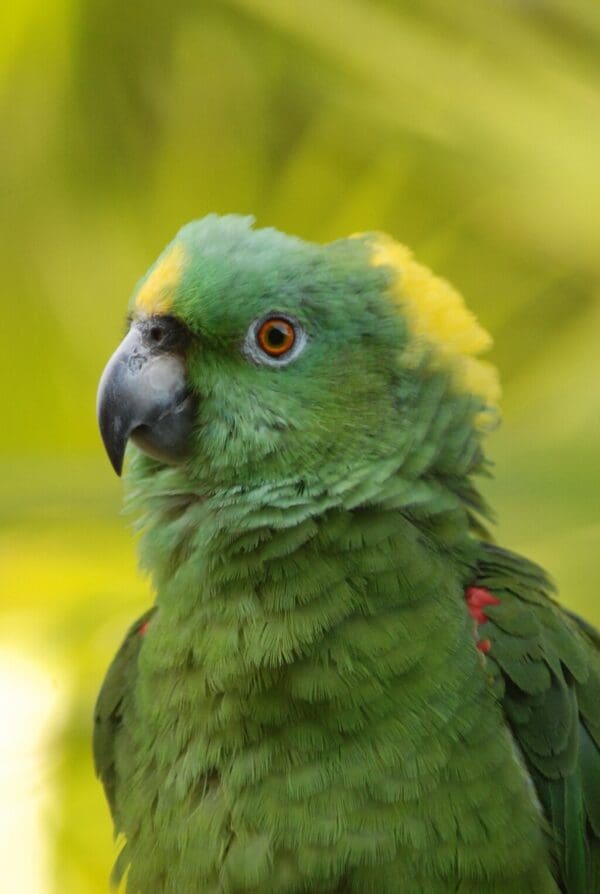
x,y
253,357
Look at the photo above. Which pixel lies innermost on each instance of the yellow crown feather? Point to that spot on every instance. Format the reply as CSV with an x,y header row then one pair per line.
x,y
439,320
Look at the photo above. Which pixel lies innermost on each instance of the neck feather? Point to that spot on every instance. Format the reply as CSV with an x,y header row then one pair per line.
x,y
328,594
317,650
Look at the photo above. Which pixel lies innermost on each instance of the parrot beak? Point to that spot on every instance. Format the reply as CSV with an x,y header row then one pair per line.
x,y
143,394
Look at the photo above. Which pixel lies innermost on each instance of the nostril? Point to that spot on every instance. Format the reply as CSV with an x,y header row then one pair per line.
x,y
135,362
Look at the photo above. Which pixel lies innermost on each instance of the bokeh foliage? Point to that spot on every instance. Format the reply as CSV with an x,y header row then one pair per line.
x,y
469,130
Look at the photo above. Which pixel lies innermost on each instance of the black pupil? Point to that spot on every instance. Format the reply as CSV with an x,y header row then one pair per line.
x,y
277,335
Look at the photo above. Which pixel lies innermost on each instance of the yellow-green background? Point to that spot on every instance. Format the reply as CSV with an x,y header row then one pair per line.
x,y
469,129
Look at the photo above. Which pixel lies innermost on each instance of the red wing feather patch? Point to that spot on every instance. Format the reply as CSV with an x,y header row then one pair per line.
x,y
477,599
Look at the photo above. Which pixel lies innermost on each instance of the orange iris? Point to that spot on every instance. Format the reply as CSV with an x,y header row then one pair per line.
x,y
276,336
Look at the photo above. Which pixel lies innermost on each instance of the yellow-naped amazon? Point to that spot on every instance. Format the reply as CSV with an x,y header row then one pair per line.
x,y
342,686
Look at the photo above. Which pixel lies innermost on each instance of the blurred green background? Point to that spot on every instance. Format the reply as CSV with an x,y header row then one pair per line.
x,y
469,130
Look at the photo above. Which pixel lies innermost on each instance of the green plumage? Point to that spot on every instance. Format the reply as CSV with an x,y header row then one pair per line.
x,y
306,710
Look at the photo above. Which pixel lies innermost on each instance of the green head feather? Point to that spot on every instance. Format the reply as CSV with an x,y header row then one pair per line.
x,y
379,376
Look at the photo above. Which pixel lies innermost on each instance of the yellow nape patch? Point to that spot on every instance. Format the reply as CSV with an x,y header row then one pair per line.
x,y
157,292
438,319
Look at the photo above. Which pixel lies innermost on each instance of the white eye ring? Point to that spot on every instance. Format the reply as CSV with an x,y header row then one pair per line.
x,y
255,347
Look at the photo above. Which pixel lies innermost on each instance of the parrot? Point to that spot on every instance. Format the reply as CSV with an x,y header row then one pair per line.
x,y
343,685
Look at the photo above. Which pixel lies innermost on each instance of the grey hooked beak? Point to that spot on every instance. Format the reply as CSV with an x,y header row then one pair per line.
x,y
143,394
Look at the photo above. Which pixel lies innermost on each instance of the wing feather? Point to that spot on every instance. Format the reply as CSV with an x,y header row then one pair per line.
x,y
119,679
546,667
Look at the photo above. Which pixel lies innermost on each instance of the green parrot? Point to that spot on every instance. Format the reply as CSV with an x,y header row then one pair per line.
x,y
343,685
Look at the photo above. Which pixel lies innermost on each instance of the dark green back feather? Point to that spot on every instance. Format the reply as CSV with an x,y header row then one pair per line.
x,y
546,664
107,714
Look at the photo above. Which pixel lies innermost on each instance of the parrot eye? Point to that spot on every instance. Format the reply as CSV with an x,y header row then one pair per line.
x,y
274,340
276,337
